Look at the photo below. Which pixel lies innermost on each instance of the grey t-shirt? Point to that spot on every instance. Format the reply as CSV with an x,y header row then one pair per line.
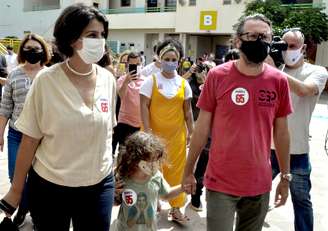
x,y
299,120
139,204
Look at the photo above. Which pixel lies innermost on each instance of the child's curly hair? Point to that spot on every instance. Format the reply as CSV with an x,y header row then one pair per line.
x,y
139,146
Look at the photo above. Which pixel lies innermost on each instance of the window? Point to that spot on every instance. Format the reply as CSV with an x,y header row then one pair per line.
x,y
152,3
38,5
192,2
170,3
226,2
125,2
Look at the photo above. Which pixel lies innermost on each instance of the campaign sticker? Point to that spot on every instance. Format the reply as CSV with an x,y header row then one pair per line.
x,y
103,105
129,197
240,96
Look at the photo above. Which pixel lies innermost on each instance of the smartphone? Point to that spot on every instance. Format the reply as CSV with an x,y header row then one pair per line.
x,y
133,68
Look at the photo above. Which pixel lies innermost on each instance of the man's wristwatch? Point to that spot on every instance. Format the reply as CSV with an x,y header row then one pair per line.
x,y
287,176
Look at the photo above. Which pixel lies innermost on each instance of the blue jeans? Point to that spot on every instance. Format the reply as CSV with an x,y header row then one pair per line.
x,y
53,206
14,139
300,186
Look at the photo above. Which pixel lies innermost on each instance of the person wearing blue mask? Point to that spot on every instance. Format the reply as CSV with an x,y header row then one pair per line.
x,y
67,124
165,100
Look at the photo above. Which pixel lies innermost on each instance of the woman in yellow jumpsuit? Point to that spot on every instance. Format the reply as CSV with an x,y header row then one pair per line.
x,y
166,112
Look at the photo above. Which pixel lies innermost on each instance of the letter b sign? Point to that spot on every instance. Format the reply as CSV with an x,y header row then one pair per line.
x,y
208,20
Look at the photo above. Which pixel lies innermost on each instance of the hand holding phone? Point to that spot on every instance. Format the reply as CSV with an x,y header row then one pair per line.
x,y
133,70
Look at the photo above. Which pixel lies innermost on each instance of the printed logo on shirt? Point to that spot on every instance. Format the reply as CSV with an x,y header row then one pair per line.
x,y
240,96
103,105
129,197
266,98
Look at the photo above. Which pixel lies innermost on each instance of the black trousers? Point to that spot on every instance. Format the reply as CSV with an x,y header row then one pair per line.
x,y
200,171
121,132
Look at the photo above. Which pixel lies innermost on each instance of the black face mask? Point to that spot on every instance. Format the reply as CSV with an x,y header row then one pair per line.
x,y
33,56
255,51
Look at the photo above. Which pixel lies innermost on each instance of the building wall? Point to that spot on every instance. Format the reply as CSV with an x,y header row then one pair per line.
x,y
14,21
142,21
142,39
322,49
188,17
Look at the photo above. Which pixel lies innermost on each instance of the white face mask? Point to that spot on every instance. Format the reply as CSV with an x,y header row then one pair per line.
x,y
291,57
93,50
149,168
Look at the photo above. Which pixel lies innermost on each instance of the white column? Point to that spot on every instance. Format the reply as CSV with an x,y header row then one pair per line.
x,y
161,36
183,40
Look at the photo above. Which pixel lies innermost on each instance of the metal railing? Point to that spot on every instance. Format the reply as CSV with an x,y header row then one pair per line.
x,y
11,42
40,7
3,50
305,5
139,10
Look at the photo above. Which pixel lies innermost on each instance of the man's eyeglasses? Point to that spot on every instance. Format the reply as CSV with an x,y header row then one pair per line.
x,y
252,36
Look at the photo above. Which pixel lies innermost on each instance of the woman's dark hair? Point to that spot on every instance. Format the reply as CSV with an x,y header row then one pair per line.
x,y
56,56
71,23
139,146
173,42
106,60
45,47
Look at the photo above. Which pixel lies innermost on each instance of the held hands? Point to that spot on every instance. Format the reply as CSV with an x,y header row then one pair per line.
x,y
281,193
119,184
189,184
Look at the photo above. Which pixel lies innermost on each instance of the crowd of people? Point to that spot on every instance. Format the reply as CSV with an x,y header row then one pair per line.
x,y
72,110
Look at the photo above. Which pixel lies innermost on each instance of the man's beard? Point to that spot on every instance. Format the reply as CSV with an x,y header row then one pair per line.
x,y
250,63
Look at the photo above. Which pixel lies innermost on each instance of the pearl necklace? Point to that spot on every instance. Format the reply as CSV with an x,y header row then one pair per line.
x,y
78,73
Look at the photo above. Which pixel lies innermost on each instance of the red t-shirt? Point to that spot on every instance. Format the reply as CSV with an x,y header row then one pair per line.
x,y
243,112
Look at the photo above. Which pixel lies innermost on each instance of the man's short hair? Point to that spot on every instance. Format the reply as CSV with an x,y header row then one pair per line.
x,y
294,30
260,17
133,55
10,48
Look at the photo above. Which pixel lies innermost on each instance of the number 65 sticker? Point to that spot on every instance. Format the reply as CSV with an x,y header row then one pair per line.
x,y
240,96
129,197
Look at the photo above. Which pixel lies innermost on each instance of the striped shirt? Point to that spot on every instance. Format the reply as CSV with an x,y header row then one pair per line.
x,y
14,94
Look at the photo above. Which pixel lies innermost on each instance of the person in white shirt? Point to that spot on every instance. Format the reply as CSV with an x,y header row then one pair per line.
x,y
11,59
306,83
153,67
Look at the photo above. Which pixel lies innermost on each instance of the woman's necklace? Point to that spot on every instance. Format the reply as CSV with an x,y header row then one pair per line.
x,y
78,73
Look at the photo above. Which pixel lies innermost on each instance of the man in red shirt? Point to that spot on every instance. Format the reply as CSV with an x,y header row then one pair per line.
x,y
241,103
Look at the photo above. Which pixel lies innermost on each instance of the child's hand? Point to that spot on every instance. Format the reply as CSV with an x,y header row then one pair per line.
x,y
119,184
